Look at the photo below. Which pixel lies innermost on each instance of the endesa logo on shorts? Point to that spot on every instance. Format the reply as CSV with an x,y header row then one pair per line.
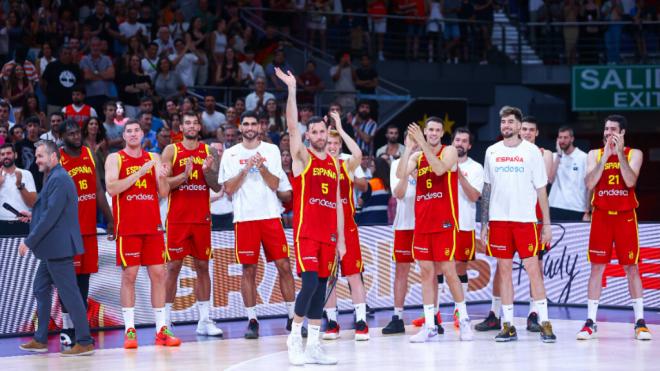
x,y
322,202
140,197
430,196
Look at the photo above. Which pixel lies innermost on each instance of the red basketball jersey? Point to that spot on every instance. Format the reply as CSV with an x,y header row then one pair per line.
x,y
346,193
190,201
315,201
82,171
78,116
436,202
611,193
136,209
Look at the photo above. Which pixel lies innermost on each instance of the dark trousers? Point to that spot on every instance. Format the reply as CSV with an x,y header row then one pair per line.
x,y
562,215
14,228
59,272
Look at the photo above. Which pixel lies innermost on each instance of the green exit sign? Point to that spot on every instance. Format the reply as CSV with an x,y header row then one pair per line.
x,y
616,88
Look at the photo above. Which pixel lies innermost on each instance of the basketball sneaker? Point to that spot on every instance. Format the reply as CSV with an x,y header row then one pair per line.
x,y
641,331
314,354
533,323
457,321
547,336
303,331
166,337
252,331
508,333
208,328
294,345
466,330
130,339
425,334
395,326
589,331
419,322
67,337
490,323
331,331
361,331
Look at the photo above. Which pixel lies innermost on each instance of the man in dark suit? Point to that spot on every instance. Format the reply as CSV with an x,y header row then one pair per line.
x,y
55,239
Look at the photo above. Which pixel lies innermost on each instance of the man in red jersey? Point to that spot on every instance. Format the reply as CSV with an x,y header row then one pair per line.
x,y
78,161
612,173
78,111
318,226
193,169
135,179
436,220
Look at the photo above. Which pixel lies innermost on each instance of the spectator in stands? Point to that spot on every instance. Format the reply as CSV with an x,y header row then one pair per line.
x,y
162,140
17,188
239,104
285,142
189,104
176,135
59,79
168,83
120,117
15,31
46,57
568,195
550,12
131,27
133,85
279,61
16,88
434,29
377,10
276,121
150,61
365,127
31,108
94,137
78,111
184,61
228,73
376,199
113,131
5,113
393,149
310,82
343,75
16,134
26,150
172,106
211,119
21,59
149,140
452,30
612,11
179,26
4,134
231,116
165,42
103,25
415,12
135,47
218,41
483,11
147,105
250,69
231,136
256,100
317,22
197,38
571,12
305,112
53,134
99,74
590,41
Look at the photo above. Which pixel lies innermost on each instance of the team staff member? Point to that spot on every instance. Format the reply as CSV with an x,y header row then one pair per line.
x,y
192,172
612,173
135,179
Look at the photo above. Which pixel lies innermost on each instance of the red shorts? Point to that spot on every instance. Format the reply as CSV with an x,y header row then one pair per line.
x,y
614,229
140,249
250,235
315,256
403,246
352,262
507,238
436,246
88,262
189,239
465,246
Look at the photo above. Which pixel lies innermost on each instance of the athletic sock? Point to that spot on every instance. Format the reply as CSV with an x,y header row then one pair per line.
x,y
296,329
159,313
313,334
496,305
532,307
203,308
331,313
462,310
290,308
507,313
398,312
541,307
252,313
66,321
129,317
360,312
465,288
592,308
464,283
638,307
429,313
168,314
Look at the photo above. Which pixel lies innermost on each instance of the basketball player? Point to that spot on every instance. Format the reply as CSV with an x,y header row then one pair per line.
x,y
193,169
436,222
251,172
318,226
404,226
78,161
135,179
351,265
515,178
612,173
529,131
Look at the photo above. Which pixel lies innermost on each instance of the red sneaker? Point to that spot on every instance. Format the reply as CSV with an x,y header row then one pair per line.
x,y
361,331
457,320
419,322
166,337
130,339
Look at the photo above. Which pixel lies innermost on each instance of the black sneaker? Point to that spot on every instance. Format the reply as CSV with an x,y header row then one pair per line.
x,y
331,331
490,323
361,331
252,330
547,336
533,323
438,323
395,326
68,337
642,331
303,331
508,333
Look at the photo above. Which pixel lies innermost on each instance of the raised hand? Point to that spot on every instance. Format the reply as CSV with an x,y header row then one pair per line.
x,y
416,132
286,77
336,119
618,143
145,168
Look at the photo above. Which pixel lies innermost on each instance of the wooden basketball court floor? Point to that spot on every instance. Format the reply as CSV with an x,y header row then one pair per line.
x,y
615,350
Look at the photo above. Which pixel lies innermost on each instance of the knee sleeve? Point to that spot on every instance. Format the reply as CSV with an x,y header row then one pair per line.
x,y
310,281
463,278
441,279
318,300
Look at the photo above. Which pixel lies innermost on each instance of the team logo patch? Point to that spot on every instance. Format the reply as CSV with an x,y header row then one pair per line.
x,y
330,266
530,247
446,252
284,247
357,264
208,251
630,255
467,251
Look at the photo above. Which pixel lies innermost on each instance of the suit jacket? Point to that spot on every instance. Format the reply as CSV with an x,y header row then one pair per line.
x,y
54,229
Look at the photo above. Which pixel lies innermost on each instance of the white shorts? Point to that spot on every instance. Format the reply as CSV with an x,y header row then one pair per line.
x,y
378,25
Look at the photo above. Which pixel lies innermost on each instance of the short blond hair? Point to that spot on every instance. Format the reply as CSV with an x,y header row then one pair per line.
x,y
332,133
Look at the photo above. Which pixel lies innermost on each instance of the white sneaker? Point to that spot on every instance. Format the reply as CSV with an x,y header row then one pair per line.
x,y
208,328
589,331
314,354
425,334
466,330
295,348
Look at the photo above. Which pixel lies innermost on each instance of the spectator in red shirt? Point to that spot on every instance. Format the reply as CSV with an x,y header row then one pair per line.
x,y
310,82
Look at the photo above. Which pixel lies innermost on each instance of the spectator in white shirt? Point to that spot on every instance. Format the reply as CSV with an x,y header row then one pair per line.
x,y
17,188
568,195
393,149
256,101
164,42
251,70
56,119
150,61
184,61
211,119
132,27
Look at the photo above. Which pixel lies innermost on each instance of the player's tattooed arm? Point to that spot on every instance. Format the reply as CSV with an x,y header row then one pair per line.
x,y
211,170
485,205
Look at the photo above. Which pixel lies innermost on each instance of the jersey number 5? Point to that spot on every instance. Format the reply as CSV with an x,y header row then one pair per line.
x,y
324,188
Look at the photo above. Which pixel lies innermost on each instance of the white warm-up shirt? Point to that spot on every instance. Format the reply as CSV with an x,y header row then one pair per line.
x,y
467,210
405,208
569,191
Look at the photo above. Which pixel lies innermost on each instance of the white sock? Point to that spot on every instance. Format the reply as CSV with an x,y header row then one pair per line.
x,y
203,308
507,313
66,321
398,312
331,313
251,312
290,307
496,305
429,313
465,288
361,312
168,314
313,334
532,307
541,307
592,308
462,310
129,317
638,307
159,313
296,329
